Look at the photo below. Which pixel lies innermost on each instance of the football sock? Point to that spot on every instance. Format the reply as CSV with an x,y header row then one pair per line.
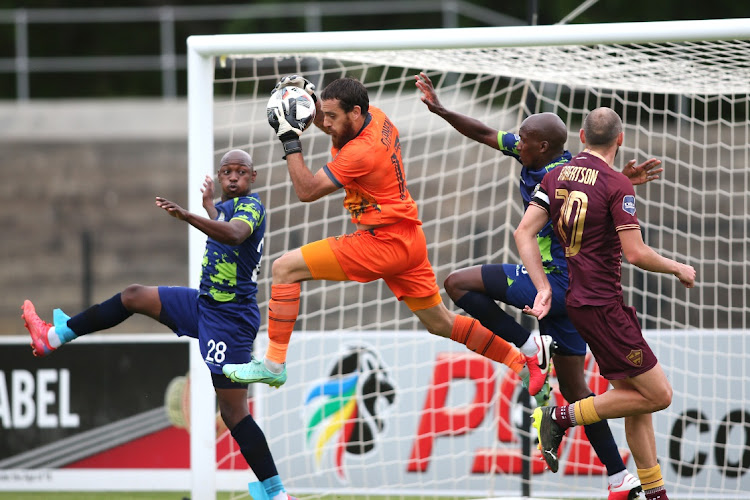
x,y
53,339
652,483
254,448
530,347
564,416
477,338
59,333
283,309
617,478
579,413
98,317
274,367
601,439
491,316
584,412
274,488
659,494
61,328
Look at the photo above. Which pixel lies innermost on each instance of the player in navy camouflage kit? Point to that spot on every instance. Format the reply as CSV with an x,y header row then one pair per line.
x,y
539,147
222,314
593,211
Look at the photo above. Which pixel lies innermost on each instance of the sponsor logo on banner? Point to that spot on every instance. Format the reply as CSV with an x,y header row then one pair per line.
x,y
438,421
348,406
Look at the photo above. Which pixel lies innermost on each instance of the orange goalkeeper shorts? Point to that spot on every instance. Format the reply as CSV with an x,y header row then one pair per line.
x,y
396,253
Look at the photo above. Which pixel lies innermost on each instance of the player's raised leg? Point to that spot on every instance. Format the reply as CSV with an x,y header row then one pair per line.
x,y
635,399
569,366
46,337
468,331
476,290
283,307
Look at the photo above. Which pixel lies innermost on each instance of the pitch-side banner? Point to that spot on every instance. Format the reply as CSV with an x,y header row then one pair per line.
x,y
107,411
411,411
362,412
114,404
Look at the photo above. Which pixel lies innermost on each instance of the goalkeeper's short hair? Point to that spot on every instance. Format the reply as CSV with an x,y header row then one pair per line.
x,y
349,91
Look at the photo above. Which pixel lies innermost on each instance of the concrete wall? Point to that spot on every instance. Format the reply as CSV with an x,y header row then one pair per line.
x,y
71,168
93,168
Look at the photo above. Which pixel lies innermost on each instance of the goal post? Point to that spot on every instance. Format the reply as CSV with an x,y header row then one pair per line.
x,y
442,423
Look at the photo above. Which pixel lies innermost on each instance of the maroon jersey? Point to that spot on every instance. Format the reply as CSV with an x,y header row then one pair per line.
x,y
588,203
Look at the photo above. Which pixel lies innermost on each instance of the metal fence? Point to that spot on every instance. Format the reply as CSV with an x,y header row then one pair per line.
x,y
169,57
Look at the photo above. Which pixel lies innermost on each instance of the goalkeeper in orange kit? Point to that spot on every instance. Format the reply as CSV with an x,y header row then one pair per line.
x,y
388,243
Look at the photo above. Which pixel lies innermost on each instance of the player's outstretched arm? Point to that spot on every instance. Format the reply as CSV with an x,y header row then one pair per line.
x,y
233,232
532,222
643,173
470,127
641,255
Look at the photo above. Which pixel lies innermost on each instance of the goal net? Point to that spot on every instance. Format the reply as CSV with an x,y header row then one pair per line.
x,y
374,405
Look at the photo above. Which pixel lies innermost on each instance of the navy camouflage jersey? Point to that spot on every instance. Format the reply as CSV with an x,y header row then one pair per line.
x,y
230,273
553,255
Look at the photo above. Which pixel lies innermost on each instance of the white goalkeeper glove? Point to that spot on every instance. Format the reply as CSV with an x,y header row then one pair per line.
x,y
297,81
282,116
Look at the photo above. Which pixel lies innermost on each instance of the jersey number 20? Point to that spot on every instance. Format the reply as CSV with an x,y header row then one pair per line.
x,y
572,218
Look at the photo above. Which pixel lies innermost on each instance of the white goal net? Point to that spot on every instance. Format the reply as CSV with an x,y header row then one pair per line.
x,y
374,405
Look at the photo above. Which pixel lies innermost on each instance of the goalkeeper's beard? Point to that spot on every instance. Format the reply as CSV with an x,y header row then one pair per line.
x,y
339,140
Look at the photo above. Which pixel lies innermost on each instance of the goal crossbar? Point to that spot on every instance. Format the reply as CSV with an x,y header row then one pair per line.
x,y
449,38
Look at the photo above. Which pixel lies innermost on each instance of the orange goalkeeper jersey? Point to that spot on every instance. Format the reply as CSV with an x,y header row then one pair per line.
x,y
370,169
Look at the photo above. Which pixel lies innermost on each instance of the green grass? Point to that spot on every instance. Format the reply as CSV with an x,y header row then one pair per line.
x,y
46,495
5,495
169,495
72,495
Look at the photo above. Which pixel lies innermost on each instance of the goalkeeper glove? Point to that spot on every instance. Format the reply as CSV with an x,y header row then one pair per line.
x,y
282,116
297,81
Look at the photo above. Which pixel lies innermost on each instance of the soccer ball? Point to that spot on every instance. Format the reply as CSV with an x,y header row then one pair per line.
x,y
295,104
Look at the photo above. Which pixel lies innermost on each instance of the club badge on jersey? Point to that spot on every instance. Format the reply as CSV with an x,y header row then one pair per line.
x,y
628,204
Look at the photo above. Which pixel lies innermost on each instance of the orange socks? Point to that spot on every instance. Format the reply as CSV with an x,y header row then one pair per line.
x,y
482,341
283,309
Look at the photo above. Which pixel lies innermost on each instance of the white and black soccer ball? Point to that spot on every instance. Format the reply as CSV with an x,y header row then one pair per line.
x,y
295,104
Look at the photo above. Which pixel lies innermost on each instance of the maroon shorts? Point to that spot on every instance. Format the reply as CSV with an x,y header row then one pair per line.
x,y
614,336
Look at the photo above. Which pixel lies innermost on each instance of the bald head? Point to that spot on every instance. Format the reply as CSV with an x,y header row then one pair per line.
x,y
236,157
602,127
547,127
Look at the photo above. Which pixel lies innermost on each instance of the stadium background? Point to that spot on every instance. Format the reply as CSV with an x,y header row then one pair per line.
x,y
85,151
93,121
